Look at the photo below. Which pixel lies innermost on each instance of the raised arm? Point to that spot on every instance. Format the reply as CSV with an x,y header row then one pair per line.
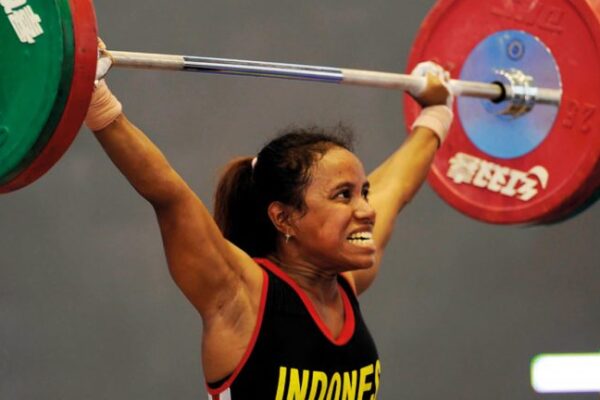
x,y
399,177
210,271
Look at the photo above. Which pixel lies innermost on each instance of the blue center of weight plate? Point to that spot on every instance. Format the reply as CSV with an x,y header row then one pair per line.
x,y
506,136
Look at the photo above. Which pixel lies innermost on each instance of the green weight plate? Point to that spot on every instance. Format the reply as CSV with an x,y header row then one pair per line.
x,y
61,95
32,70
75,109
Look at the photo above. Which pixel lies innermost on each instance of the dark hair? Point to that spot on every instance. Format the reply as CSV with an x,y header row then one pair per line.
x,y
281,173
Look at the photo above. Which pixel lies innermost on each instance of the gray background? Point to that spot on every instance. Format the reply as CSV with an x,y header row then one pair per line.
x,y
87,307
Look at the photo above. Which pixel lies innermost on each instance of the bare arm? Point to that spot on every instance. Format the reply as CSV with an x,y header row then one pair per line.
x,y
219,279
393,185
397,179
208,269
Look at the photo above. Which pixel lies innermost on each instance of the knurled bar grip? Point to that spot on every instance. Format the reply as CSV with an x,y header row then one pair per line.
x,y
313,73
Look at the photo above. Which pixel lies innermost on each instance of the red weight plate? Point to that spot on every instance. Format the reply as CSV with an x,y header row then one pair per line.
x,y
86,47
591,193
570,152
588,196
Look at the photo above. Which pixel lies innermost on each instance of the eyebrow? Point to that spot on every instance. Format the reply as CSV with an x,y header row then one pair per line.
x,y
365,185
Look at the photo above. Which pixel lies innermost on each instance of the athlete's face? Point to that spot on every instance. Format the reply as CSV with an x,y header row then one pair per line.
x,y
336,229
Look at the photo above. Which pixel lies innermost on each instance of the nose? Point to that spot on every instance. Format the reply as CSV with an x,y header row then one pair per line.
x,y
364,211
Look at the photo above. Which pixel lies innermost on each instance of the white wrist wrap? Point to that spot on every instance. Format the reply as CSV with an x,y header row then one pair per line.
x,y
104,108
437,118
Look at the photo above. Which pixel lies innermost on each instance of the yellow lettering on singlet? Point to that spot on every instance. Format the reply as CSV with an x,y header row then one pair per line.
x,y
304,384
364,386
297,389
377,376
334,383
349,392
281,383
318,385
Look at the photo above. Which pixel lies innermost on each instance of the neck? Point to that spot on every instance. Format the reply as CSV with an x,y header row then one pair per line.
x,y
319,284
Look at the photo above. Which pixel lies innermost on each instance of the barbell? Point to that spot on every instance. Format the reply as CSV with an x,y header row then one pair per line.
x,y
524,148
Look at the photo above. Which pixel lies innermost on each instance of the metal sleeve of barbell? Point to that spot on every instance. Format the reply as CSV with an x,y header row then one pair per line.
x,y
387,80
490,91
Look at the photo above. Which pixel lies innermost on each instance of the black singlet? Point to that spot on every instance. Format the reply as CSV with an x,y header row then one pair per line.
x,y
293,356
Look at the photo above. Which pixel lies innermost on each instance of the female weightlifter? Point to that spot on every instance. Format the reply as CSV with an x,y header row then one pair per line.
x,y
294,240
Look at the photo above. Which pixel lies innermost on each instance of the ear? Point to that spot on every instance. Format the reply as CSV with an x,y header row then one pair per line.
x,y
280,215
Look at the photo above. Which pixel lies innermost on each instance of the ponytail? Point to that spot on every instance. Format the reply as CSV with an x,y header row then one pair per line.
x,y
238,211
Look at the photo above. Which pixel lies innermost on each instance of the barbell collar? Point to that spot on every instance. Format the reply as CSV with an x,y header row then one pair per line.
x,y
386,80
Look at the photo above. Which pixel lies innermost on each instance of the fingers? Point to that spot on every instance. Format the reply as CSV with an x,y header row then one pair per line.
x,y
104,61
429,67
435,89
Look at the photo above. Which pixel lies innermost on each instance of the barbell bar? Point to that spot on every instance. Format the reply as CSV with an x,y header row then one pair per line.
x,y
375,79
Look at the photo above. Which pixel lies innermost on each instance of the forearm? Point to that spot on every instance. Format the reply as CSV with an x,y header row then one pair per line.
x,y
402,174
140,161
397,180
393,184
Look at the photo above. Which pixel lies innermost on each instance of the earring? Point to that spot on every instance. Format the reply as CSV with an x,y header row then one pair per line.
x,y
287,237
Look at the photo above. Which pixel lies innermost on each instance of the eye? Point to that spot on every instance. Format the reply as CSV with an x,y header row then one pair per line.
x,y
344,194
365,193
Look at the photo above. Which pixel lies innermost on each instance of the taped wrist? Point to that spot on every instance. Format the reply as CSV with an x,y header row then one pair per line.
x,y
104,108
437,118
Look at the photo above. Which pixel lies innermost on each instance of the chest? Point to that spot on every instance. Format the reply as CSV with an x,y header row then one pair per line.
x,y
294,357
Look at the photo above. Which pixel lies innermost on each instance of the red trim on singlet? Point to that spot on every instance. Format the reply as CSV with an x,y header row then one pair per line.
x,y
349,321
259,318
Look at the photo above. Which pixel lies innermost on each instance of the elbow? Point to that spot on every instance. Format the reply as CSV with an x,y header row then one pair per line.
x,y
164,189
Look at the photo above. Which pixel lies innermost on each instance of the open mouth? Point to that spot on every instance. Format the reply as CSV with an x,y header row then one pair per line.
x,y
361,239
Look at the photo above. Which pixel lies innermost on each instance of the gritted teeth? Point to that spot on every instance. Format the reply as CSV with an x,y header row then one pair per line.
x,y
361,236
